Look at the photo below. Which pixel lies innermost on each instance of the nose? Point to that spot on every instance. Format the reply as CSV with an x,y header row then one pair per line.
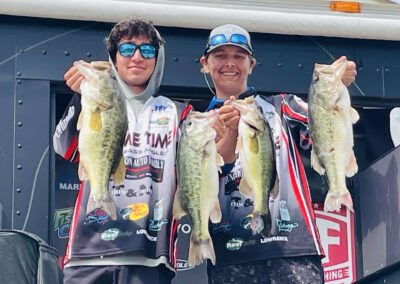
x,y
230,62
137,56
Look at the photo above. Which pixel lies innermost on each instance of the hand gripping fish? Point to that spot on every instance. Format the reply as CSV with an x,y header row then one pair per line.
x,y
330,118
103,124
257,157
198,182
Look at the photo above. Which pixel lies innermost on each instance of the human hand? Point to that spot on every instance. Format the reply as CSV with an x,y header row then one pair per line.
x,y
230,114
219,127
350,73
73,78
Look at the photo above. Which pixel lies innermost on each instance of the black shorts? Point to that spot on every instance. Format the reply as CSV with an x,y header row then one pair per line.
x,y
118,274
285,270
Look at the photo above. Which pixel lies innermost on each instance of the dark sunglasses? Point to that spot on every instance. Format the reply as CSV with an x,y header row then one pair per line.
x,y
235,38
128,49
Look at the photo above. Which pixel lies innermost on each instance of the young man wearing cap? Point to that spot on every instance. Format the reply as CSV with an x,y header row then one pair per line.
x,y
136,247
285,256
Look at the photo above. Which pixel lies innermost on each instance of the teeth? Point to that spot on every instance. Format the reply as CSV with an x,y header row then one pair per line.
x,y
230,74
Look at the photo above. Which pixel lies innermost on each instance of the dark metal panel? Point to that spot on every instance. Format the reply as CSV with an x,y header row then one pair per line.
x,y
47,49
57,48
31,168
378,212
378,68
7,82
183,50
285,63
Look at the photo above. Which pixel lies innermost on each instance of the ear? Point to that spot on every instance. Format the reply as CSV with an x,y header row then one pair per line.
x,y
253,62
203,62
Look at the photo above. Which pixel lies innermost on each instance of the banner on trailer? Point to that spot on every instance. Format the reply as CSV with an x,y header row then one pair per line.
x,y
337,236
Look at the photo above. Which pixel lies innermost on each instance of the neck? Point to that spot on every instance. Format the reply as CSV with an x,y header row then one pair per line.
x,y
226,94
138,89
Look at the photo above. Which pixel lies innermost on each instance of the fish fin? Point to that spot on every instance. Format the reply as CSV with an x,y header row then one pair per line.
x,y
177,209
119,174
239,144
82,173
103,202
244,188
352,167
200,250
215,214
253,144
315,164
275,188
80,121
95,122
220,162
334,201
261,224
354,116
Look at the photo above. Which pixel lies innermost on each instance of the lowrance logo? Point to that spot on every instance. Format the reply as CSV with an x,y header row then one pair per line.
x,y
144,232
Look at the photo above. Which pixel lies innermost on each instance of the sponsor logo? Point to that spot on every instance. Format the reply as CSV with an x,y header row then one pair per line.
x,y
160,108
157,225
110,234
152,139
285,226
134,211
120,190
144,232
274,239
63,124
62,221
113,233
142,167
184,228
69,186
237,202
161,121
223,227
98,216
158,213
246,221
284,212
183,265
337,238
234,244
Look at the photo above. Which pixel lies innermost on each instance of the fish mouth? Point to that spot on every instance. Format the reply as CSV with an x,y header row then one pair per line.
x,y
252,126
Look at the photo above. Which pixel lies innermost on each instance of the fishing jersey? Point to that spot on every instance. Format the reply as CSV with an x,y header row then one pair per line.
x,y
293,231
144,199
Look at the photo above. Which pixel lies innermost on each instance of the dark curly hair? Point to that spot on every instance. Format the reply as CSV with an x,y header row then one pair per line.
x,y
128,29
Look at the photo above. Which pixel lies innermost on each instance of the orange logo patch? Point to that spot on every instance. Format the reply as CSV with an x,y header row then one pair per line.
x,y
139,210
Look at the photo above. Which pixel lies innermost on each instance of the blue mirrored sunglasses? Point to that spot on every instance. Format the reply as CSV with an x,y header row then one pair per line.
x,y
128,49
235,38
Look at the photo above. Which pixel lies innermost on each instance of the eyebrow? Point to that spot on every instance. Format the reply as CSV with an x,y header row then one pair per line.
x,y
222,49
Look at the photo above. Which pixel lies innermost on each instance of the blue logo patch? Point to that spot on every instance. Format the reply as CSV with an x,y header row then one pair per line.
x,y
98,216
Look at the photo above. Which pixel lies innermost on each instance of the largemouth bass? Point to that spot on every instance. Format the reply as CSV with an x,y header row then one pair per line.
x,y
330,118
103,124
198,182
257,157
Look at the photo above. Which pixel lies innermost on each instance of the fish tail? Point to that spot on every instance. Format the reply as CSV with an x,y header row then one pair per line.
x,y
261,223
104,202
200,250
334,201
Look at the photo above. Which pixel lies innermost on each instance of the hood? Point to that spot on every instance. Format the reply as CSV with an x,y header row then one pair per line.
x,y
154,83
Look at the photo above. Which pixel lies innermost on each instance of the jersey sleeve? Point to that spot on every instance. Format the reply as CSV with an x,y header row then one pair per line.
x,y
296,111
65,138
